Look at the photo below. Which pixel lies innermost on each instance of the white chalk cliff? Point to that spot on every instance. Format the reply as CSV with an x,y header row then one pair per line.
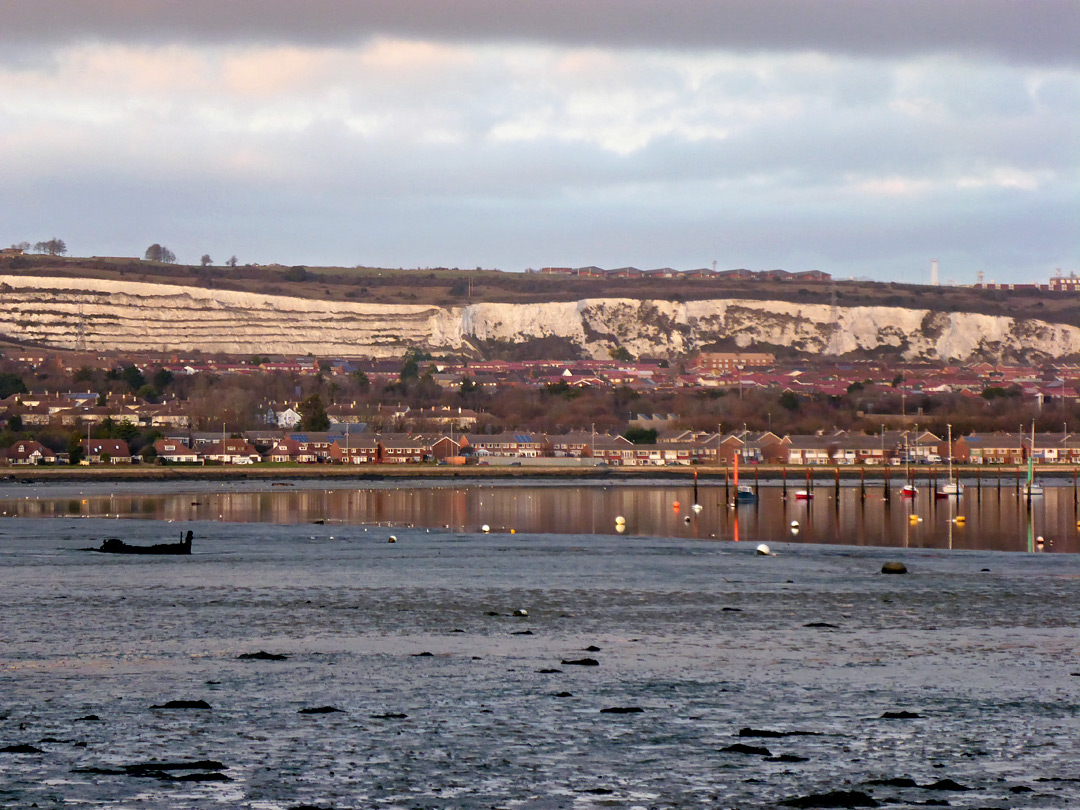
x,y
101,315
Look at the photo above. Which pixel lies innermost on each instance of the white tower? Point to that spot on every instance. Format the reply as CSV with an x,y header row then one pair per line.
x,y
933,273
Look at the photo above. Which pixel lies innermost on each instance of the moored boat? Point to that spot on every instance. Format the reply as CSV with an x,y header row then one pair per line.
x,y
114,545
745,494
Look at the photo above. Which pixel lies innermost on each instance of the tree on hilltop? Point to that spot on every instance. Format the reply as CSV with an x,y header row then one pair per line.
x,y
160,253
54,247
206,261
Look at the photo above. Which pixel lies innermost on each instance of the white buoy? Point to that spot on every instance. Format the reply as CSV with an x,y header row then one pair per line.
x,y
696,507
763,550
795,524
686,519
620,521
521,612
485,528
794,530
392,539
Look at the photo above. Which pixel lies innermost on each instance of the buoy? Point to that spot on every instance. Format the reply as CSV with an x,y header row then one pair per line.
x,y
794,530
696,507
1039,539
913,518
686,519
795,524
485,528
521,612
620,528
960,519
763,550
620,520
391,539
513,531
675,506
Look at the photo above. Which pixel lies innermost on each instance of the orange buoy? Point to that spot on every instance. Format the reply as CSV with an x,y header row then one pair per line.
x,y
675,506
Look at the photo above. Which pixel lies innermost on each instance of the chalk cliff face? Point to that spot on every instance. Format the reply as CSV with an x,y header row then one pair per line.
x,y
99,315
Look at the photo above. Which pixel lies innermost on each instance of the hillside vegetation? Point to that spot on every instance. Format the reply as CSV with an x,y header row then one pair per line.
x,y
455,287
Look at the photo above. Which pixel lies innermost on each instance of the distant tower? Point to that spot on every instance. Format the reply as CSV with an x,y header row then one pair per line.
x,y
980,278
933,273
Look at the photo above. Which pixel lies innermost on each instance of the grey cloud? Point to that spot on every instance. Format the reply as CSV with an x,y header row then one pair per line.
x,y
1041,32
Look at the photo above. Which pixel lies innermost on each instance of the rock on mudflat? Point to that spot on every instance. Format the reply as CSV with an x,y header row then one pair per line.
x,y
903,714
21,748
183,704
261,655
894,568
622,710
581,662
834,798
896,781
743,748
320,710
945,784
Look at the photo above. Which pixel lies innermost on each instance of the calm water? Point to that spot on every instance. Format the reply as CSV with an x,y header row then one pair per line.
x,y
991,518
705,637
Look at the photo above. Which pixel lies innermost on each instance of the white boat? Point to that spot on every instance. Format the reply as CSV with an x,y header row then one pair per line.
x,y
953,487
1032,487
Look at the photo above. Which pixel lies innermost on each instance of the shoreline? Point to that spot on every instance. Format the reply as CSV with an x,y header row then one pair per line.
x,y
1008,475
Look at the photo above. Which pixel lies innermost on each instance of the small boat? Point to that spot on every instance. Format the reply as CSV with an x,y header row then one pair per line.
x,y
1032,487
908,490
115,546
803,494
954,488
745,494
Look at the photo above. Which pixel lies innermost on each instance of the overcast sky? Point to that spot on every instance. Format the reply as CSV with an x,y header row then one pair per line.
x,y
859,137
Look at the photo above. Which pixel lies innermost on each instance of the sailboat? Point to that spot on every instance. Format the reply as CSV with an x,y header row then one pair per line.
x,y
1033,486
743,492
908,490
953,487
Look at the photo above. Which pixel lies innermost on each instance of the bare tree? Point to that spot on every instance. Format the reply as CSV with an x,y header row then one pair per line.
x,y
232,262
54,247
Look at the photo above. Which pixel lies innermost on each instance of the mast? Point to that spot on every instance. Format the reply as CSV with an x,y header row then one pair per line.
x,y
950,453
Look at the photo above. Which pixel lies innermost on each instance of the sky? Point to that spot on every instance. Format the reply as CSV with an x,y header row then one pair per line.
x,y
863,138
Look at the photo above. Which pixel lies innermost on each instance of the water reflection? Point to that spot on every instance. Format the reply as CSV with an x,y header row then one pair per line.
x,y
989,518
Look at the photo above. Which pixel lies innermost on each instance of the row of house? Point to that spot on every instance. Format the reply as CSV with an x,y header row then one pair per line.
x,y
673,447
701,272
